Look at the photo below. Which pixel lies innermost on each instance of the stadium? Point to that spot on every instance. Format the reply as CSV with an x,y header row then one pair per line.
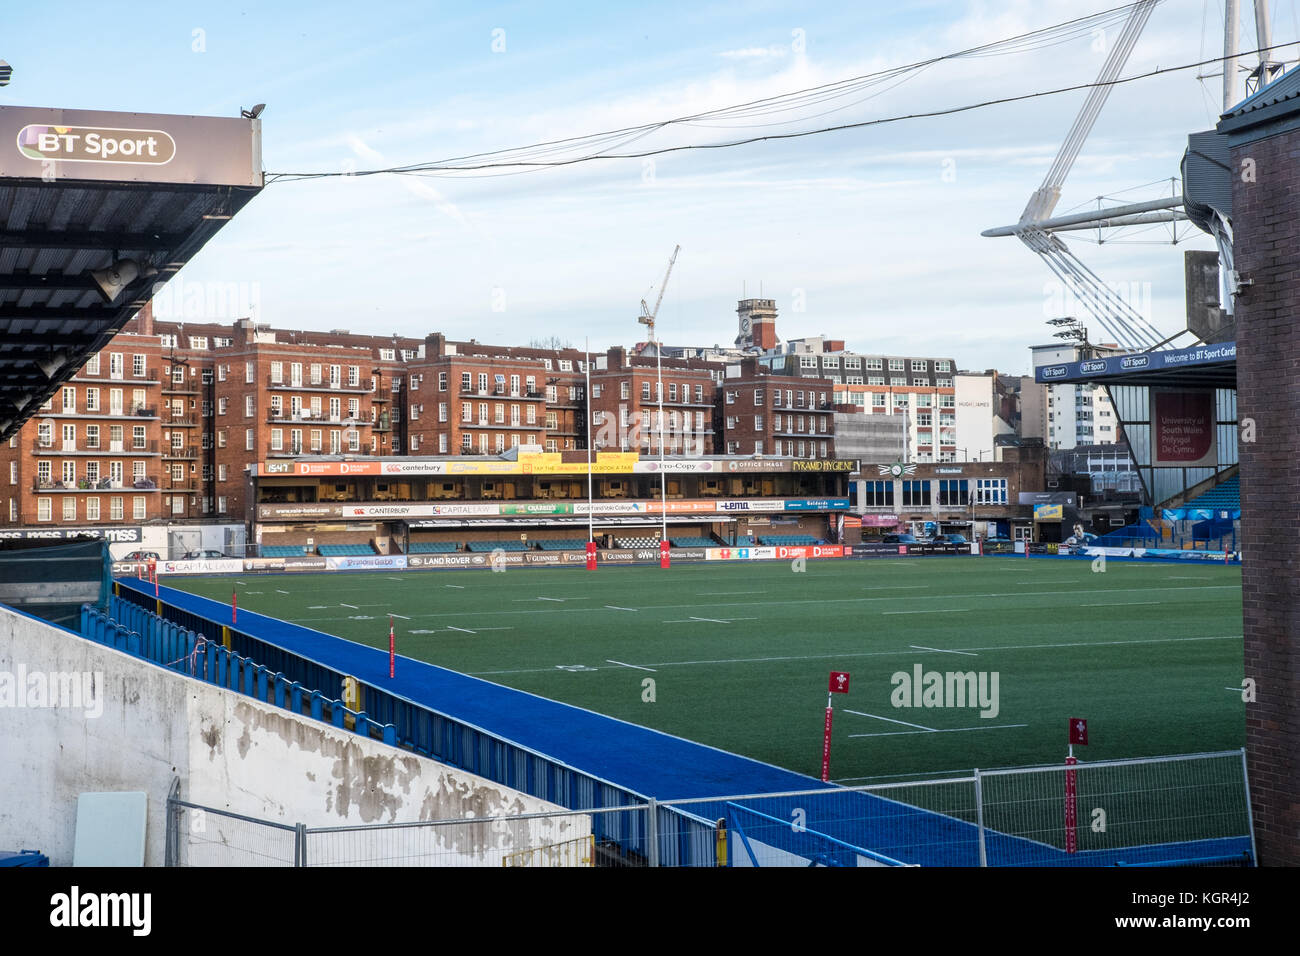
x,y
629,651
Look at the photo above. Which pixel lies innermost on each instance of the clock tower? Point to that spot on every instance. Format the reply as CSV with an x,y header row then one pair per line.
x,y
757,324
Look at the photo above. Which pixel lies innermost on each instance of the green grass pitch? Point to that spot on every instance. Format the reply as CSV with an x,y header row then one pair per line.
x,y
739,653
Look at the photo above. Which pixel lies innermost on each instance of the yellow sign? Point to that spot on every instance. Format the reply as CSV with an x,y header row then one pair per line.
x,y
1049,512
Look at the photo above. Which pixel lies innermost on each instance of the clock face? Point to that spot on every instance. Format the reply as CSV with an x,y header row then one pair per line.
x,y
744,325
896,470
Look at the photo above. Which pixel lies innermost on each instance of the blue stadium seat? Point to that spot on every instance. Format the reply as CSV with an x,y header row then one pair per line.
x,y
433,547
346,550
561,544
695,542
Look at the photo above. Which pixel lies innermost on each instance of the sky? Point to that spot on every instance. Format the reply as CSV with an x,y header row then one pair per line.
x,y
870,235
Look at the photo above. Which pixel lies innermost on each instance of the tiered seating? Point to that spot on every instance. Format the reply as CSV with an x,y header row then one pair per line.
x,y
433,547
561,544
787,540
494,545
1222,497
635,544
693,542
346,550
283,550
745,541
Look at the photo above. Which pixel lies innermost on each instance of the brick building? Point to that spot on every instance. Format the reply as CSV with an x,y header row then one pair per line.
x,y
625,403
762,413
1264,142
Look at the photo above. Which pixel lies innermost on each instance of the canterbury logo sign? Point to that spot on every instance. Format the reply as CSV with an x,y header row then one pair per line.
x,y
93,144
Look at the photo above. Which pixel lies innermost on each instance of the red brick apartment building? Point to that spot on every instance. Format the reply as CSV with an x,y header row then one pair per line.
x,y
162,423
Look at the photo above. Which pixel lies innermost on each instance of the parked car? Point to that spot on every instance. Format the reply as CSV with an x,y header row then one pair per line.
x,y
958,539
207,555
143,556
900,539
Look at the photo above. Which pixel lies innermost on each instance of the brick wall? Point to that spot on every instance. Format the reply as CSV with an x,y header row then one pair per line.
x,y
1266,226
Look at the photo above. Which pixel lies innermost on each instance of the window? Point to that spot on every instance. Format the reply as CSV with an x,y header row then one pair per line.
x,y
920,382
221,504
897,365
221,405
625,389
947,401
249,402
69,507
442,411
138,441
920,365
387,355
916,494
942,365
13,472
315,439
499,414
115,365
249,370
248,439
990,491
874,364
442,381
115,508
943,382
467,442
954,492
69,400
315,373
354,376
808,361
852,362
198,341
277,440
92,399
92,366
758,423
532,415
92,509
44,509
277,373
566,365
336,376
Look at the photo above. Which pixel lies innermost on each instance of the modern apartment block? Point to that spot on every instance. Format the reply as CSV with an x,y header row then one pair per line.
x,y
1077,414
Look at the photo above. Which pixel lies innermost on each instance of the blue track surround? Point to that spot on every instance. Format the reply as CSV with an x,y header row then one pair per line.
x,y
527,742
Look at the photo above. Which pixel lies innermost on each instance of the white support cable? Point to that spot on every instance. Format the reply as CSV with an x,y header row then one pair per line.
x,y
1126,311
1084,294
1104,301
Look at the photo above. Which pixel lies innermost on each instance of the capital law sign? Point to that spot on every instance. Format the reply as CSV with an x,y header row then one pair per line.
x,y
1183,428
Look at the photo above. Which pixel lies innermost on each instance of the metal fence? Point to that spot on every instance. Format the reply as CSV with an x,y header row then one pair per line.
x,y
1187,810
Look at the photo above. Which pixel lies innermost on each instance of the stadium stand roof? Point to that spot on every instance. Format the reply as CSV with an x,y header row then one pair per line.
x,y
1202,366
82,192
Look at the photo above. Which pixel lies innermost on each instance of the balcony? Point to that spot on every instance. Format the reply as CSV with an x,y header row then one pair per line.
x,y
383,423
180,421
83,485
188,452
173,387
287,451
185,484
150,377
137,411
323,385
115,449
308,418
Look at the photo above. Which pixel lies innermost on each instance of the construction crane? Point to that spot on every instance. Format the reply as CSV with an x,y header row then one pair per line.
x,y
647,317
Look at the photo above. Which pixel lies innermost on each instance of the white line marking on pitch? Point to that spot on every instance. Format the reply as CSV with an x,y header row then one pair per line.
x,y
614,607
1235,690
941,650
1122,604
716,593
241,583
278,591
463,630
633,666
954,610
901,587
353,606
954,730
319,607
254,592
890,720
458,587
402,616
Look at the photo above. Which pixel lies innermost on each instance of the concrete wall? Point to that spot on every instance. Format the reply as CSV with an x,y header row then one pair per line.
x,y
137,726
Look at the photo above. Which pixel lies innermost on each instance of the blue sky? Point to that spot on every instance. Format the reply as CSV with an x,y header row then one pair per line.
x,y
874,231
